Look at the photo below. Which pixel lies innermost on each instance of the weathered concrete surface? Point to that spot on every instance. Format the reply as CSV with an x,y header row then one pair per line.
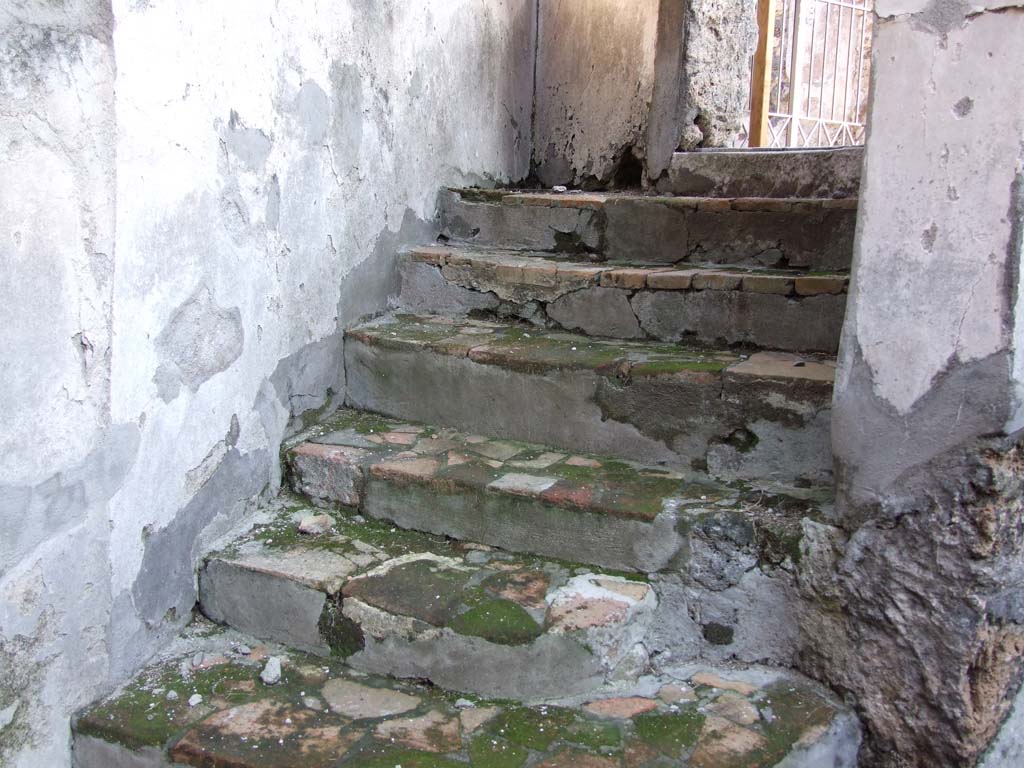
x,y
926,421
638,400
715,102
595,80
813,234
765,173
191,211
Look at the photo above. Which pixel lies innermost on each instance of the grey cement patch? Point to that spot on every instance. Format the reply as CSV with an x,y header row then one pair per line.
x,y
884,454
1007,749
90,752
375,283
347,119
200,340
313,378
313,111
263,605
837,747
165,584
550,667
250,146
29,515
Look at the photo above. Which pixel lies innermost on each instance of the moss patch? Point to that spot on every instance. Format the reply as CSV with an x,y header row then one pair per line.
x,y
498,621
670,733
485,751
532,728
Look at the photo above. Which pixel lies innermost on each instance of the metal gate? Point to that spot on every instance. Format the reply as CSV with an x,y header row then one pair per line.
x,y
812,73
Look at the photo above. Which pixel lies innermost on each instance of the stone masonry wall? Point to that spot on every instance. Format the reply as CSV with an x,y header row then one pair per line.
x,y
194,203
921,617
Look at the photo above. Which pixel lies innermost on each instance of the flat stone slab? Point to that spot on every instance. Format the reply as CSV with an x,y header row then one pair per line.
x,y
807,233
832,172
323,714
768,308
676,405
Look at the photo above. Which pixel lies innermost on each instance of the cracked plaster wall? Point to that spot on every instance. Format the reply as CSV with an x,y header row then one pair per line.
x,y
621,85
180,254
921,619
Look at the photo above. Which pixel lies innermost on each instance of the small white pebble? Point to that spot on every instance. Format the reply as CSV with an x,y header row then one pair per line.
x,y
195,700
172,695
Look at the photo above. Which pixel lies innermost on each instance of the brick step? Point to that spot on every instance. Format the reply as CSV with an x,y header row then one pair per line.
x,y
815,173
320,714
776,309
810,234
763,417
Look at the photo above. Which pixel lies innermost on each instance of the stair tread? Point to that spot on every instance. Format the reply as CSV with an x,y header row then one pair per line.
x,y
515,347
597,200
553,276
320,713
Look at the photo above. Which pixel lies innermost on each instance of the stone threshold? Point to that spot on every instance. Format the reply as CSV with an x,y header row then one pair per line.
x,y
220,698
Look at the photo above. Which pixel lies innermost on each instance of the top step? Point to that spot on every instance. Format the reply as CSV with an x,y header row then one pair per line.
x,y
811,234
833,172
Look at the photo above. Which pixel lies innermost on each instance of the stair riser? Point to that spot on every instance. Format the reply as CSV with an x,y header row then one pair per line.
x,y
789,323
802,235
264,605
521,524
807,173
679,420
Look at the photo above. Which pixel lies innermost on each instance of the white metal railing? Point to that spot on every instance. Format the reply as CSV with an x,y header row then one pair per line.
x,y
819,56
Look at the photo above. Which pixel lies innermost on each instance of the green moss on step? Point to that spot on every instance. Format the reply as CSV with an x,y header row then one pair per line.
x,y
670,733
596,736
406,758
535,729
344,637
486,751
498,621
138,717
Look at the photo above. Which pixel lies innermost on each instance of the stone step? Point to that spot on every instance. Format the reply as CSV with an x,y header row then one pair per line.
x,y
205,703
762,417
773,309
816,173
532,499
810,234
468,617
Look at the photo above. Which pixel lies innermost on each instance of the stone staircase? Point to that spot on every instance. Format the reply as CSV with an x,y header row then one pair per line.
x,y
559,521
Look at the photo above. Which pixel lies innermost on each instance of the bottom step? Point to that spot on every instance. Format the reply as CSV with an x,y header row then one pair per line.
x,y
207,704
